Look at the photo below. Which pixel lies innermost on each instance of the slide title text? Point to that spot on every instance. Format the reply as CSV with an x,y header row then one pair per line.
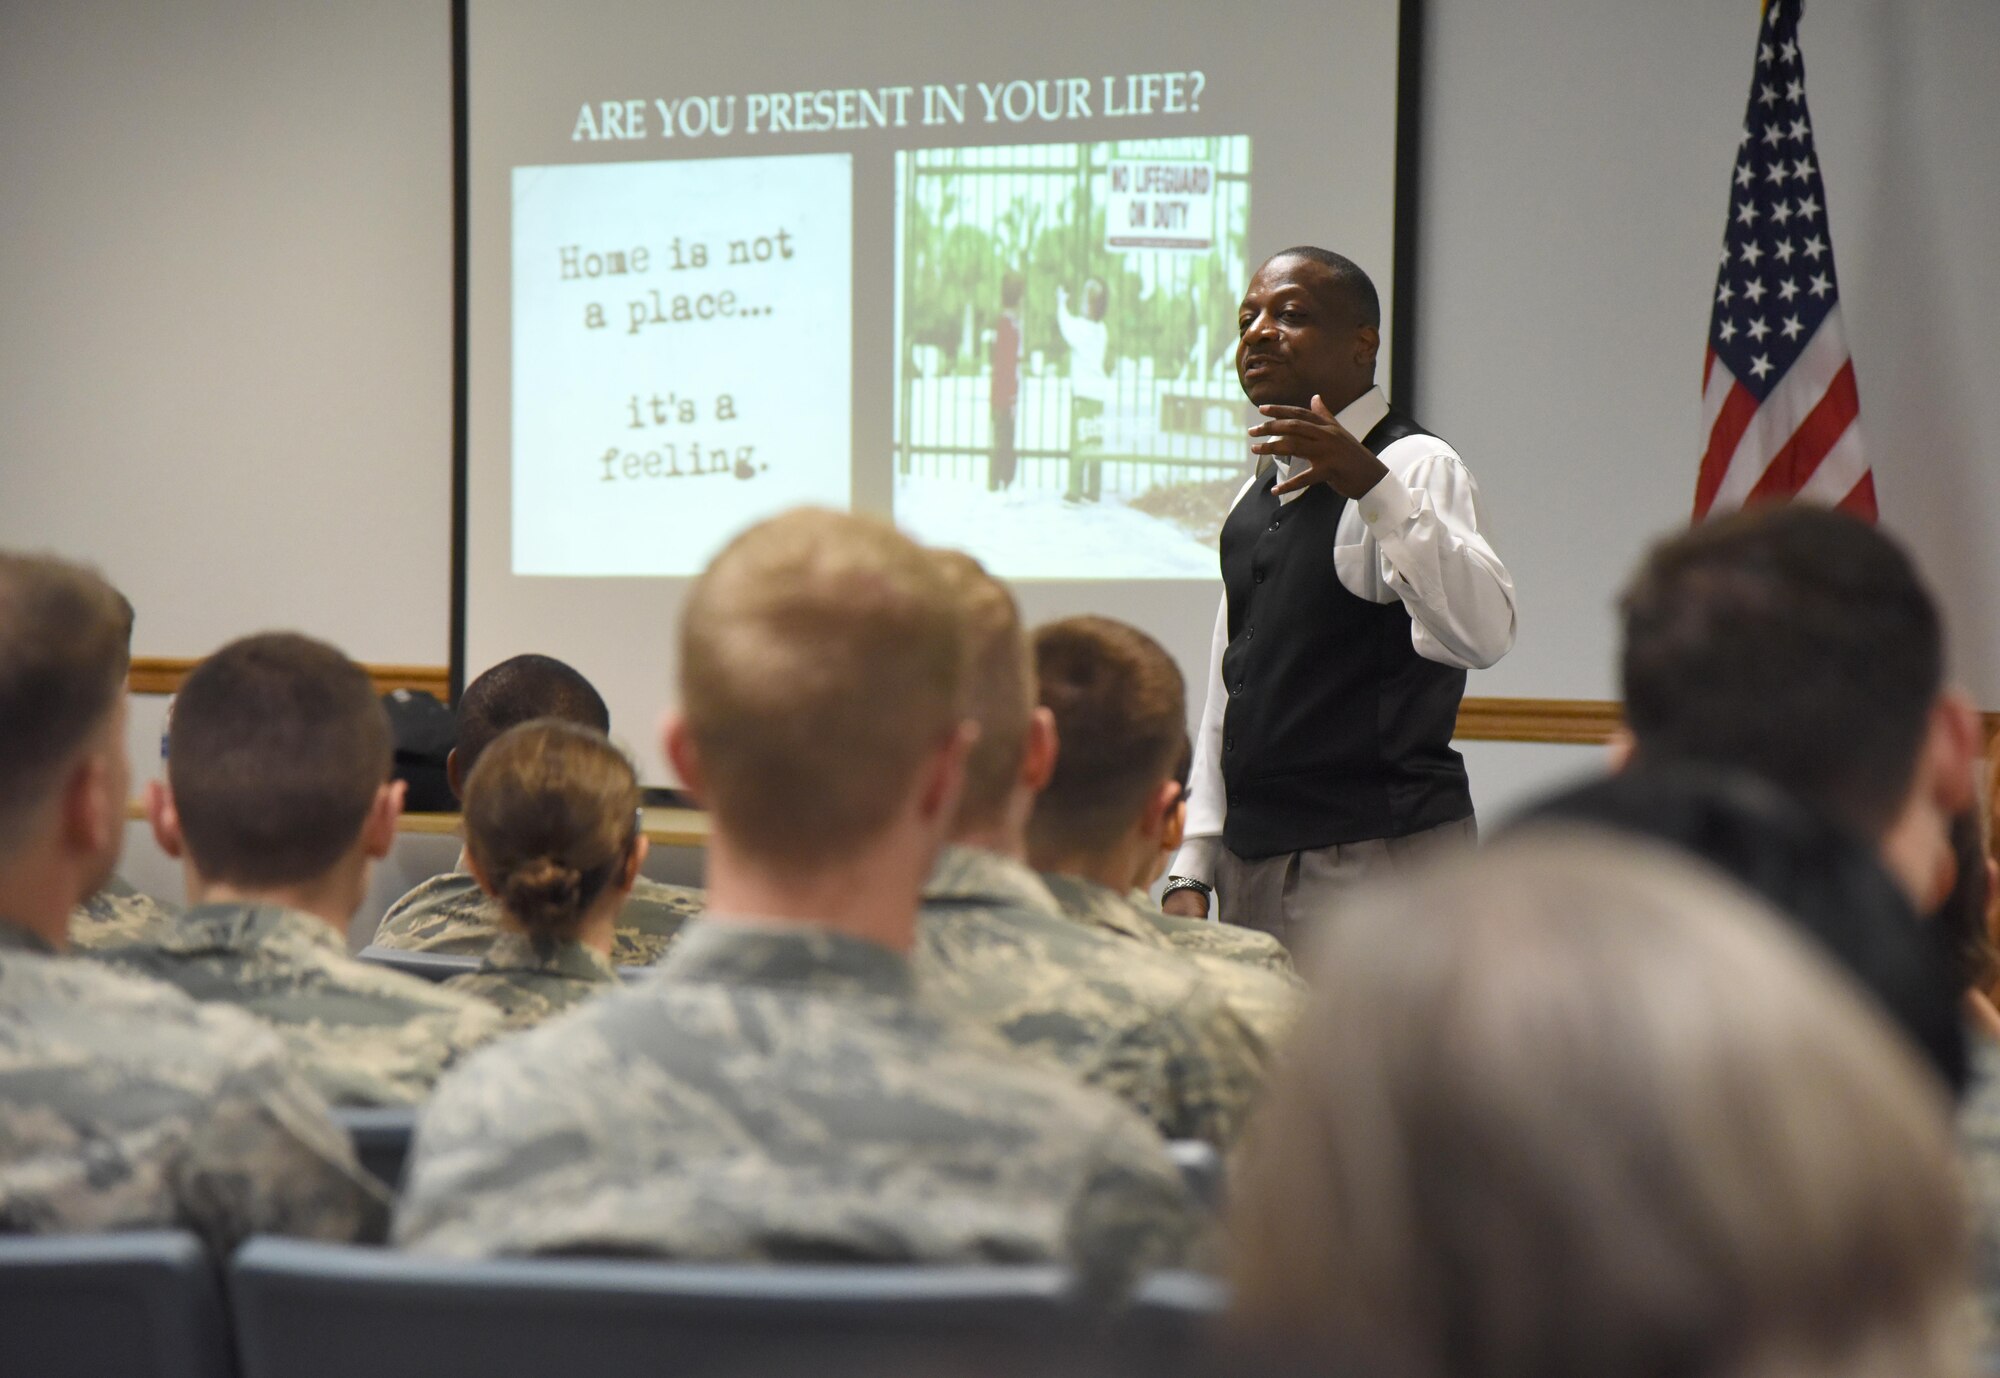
x,y
1044,100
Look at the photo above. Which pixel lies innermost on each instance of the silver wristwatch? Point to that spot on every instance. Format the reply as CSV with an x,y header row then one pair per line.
x,y
1188,883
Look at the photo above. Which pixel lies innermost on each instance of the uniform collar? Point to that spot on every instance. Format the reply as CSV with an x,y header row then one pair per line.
x,y
983,877
516,952
231,927
785,956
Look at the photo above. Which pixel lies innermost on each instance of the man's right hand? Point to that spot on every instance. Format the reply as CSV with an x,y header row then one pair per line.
x,y
1188,904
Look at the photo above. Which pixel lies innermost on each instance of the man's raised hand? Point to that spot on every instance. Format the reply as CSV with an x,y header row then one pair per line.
x,y
1328,451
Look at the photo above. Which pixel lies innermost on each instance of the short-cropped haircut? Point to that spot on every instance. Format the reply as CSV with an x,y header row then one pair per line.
x,y
1793,642
277,747
520,689
821,663
1355,288
1000,685
1121,717
65,639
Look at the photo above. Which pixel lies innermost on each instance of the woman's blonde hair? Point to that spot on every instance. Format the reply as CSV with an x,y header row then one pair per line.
x,y
1576,1107
551,817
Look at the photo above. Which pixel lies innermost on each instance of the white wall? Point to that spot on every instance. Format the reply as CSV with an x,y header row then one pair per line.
x,y
225,234
1575,183
225,237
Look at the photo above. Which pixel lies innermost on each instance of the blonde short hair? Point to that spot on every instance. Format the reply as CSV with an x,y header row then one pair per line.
x,y
1000,685
1579,1107
821,662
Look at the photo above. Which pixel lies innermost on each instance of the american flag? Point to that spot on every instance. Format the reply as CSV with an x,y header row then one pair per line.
x,y
1778,402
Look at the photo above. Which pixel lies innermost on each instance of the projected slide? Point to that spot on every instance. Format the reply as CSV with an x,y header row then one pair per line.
x,y
682,356
1067,398
972,269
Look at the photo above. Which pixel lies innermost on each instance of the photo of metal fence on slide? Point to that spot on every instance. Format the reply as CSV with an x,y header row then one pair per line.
x,y
1065,352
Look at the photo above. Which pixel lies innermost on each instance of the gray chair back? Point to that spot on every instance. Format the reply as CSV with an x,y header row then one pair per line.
x,y
141,1305
331,1311
1170,1324
381,1136
431,966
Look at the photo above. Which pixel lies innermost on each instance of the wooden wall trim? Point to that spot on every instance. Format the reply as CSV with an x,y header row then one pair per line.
x,y
1568,722
163,675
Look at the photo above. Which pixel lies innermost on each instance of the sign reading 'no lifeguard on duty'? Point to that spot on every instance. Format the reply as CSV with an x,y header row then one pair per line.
x,y
1160,205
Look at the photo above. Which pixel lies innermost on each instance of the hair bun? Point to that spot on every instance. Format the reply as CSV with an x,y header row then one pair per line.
x,y
544,895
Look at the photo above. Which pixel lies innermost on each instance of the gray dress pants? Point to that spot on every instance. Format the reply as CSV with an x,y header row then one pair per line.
x,y
1290,895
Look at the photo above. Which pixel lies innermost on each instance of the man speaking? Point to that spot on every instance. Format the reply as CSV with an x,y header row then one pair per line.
x,y
1357,591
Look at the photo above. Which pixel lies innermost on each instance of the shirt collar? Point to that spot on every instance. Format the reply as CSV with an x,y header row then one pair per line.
x,y
973,873
785,955
516,952
236,926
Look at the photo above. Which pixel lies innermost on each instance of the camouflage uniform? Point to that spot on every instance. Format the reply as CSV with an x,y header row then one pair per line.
x,y
125,1105
450,913
529,987
1266,1002
1147,1027
777,1092
119,916
362,1034
1232,942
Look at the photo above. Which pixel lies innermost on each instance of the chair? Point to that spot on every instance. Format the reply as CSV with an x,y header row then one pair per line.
x,y
334,1311
140,1305
381,1136
1171,1319
431,966
1201,1169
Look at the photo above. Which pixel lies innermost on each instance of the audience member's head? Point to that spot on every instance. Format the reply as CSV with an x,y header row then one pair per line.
x,y
822,715
518,690
1012,288
278,775
1121,715
1576,1108
65,642
552,829
1815,874
1016,747
1802,645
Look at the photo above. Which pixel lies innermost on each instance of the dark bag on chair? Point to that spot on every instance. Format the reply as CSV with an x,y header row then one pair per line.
x,y
425,732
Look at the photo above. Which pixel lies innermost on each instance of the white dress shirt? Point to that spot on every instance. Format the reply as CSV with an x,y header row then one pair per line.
x,y
1413,537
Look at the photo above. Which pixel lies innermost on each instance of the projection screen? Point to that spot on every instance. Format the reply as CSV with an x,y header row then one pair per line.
x,y
972,267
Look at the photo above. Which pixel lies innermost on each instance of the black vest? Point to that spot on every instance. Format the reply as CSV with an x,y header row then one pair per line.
x,y
1336,730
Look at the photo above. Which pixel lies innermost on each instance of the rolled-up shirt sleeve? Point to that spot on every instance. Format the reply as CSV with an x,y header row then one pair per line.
x,y
1426,548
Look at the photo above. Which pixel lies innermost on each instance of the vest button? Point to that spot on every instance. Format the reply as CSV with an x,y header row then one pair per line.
x,y
1229,744
1260,577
